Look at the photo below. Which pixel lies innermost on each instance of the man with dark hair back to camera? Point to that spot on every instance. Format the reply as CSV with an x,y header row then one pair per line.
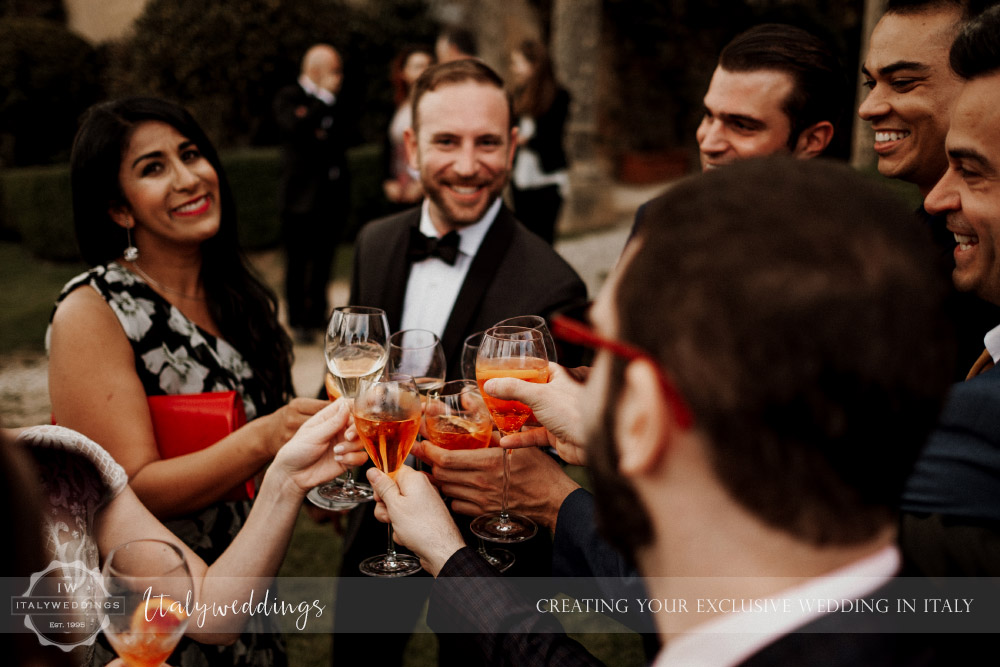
x,y
911,93
953,497
455,265
759,394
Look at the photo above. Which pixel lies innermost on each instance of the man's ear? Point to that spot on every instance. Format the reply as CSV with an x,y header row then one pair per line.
x,y
512,148
122,216
410,145
644,426
813,140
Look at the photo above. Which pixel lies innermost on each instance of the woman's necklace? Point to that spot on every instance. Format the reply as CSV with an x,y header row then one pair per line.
x,y
169,290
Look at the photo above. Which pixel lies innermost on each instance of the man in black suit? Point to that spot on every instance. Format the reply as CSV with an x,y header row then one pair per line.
x,y
459,263
760,391
314,192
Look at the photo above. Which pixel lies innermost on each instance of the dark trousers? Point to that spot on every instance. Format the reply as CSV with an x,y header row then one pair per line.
x,y
538,209
310,241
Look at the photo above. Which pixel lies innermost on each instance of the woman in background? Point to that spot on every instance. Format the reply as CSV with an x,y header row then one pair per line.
x,y
170,307
403,185
541,106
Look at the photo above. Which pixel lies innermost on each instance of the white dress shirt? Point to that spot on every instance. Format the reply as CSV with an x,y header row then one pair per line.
x,y
733,637
433,285
992,340
321,94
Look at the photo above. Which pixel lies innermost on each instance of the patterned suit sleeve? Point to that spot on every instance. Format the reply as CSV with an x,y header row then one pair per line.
x,y
469,596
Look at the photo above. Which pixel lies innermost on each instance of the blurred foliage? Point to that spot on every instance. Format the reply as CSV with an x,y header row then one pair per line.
x,y
53,10
48,77
226,59
665,52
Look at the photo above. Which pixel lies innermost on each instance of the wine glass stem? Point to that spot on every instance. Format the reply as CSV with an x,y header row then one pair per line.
x,y
504,517
390,552
349,478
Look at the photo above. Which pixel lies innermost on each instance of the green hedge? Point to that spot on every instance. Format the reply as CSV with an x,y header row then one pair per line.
x,y
36,204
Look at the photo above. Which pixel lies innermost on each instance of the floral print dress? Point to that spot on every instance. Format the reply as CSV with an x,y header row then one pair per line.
x,y
175,356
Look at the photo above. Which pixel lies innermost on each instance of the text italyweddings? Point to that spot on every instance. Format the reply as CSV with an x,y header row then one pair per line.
x,y
199,610
753,605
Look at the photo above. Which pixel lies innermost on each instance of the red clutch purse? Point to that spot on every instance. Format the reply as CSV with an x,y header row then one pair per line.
x,y
185,423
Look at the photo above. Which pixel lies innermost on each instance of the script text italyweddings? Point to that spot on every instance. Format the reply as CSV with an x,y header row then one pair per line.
x,y
266,607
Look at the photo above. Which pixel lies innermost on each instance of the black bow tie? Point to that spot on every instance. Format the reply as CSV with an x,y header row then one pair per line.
x,y
421,247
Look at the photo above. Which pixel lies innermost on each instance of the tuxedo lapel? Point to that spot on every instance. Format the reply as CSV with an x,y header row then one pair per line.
x,y
484,266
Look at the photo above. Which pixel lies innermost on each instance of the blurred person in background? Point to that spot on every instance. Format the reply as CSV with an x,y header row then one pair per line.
x,y
403,185
455,43
315,130
539,179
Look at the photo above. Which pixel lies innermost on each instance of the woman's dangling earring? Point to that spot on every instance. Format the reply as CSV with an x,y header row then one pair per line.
x,y
131,252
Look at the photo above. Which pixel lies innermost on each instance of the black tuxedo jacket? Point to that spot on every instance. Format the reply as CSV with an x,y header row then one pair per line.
x,y
314,174
513,273
468,596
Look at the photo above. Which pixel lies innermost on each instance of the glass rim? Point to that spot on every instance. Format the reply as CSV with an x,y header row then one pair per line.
x,y
434,341
359,310
115,572
539,318
466,385
510,332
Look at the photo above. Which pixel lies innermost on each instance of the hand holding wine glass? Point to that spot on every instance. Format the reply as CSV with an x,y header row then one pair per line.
x,y
509,352
153,579
387,415
356,349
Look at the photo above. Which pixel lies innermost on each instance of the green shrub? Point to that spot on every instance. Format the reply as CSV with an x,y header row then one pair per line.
x,y
36,206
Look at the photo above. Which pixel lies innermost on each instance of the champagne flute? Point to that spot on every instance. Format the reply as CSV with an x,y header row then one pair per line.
x,y
418,353
387,414
516,352
356,349
536,322
457,418
154,582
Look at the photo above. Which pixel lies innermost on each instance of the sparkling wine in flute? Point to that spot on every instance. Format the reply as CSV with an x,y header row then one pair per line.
x,y
349,364
454,432
387,438
510,416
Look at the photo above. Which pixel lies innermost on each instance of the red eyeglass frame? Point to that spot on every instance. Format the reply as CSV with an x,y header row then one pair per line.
x,y
577,333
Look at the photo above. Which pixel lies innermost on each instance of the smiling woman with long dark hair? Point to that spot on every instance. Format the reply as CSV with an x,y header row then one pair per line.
x,y
170,307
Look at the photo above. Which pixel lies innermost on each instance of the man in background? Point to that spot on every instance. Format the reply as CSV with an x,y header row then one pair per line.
x,y
776,89
314,194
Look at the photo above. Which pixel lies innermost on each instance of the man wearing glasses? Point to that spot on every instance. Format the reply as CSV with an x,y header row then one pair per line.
x,y
759,394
